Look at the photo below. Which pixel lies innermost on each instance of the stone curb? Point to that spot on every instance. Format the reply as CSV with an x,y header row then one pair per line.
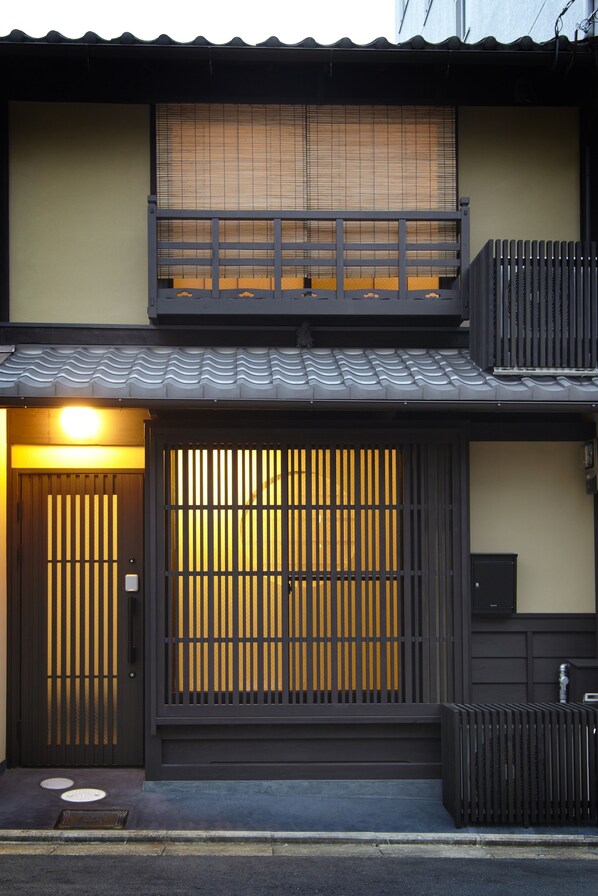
x,y
315,838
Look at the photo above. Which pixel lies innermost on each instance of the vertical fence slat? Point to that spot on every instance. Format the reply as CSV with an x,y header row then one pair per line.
x,y
593,329
527,764
520,311
579,287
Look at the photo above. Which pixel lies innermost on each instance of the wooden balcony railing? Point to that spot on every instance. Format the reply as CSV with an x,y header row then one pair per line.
x,y
307,263
534,306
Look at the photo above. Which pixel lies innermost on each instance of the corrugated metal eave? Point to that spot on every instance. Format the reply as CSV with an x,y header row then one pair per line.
x,y
487,44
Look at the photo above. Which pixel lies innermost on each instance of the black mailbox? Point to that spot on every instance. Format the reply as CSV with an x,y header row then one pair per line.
x,y
494,584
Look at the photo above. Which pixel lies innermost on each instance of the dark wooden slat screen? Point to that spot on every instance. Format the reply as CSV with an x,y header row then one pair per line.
x,y
534,305
306,576
520,764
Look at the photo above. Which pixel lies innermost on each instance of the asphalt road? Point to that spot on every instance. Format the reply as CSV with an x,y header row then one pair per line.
x,y
58,875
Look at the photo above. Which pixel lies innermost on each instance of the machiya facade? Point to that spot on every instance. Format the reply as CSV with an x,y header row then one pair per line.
x,y
335,312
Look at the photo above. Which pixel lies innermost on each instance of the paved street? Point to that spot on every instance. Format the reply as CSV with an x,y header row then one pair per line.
x,y
265,869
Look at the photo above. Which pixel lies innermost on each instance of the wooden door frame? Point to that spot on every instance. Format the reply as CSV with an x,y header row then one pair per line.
x,y
14,603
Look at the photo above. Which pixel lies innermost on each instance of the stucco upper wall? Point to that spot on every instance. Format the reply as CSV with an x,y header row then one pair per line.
x,y
79,179
528,498
520,167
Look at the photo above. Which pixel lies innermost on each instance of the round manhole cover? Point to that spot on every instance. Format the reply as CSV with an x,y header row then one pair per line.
x,y
56,783
83,795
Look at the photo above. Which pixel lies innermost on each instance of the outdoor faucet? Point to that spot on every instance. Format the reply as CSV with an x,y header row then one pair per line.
x,y
563,682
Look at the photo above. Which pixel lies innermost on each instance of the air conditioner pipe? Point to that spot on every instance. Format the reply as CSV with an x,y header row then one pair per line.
x,y
563,682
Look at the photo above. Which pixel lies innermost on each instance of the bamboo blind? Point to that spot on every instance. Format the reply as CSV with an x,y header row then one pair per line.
x,y
295,157
376,158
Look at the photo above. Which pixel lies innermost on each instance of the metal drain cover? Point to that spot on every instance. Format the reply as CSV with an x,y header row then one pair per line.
x,y
56,783
83,795
93,819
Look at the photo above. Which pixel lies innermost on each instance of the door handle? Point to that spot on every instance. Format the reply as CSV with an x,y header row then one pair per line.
x,y
131,648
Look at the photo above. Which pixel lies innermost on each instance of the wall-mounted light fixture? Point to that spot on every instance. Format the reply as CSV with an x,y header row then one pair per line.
x,y
80,424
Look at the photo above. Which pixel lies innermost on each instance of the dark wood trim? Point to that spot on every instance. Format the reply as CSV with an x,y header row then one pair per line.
x,y
542,622
539,428
464,626
137,72
153,187
13,664
4,216
588,171
242,332
154,534
596,564
516,659
395,750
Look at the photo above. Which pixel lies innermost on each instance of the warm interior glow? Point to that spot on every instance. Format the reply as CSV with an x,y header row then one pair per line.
x,y
80,423
77,457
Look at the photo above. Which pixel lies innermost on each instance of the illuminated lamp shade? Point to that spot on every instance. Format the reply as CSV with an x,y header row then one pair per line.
x,y
80,423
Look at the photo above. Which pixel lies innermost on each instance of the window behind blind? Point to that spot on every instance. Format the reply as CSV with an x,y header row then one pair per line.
x,y
297,157
376,158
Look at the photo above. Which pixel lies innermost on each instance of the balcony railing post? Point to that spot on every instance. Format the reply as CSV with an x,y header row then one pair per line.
x,y
215,257
152,257
465,254
340,258
277,258
402,266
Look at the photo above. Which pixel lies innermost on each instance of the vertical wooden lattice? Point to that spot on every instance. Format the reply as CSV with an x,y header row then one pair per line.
x,y
313,575
72,678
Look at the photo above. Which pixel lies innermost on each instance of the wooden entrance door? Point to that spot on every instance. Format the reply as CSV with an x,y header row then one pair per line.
x,y
80,626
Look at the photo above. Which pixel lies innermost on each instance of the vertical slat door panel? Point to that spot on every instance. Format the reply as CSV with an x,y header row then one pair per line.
x,y
325,572
81,701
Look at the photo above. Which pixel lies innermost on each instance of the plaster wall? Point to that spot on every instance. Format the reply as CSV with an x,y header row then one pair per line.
x,y
3,586
79,179
520,168
529,498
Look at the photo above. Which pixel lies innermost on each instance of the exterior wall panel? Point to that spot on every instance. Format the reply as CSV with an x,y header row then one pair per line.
x,y
3,587
516,660
529,498
79,178
520,168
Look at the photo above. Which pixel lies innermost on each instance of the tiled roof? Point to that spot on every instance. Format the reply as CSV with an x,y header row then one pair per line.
x,y
489,43
141,374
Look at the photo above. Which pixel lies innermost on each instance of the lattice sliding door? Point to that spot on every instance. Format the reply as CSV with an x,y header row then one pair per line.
x,y
74,621
310,576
